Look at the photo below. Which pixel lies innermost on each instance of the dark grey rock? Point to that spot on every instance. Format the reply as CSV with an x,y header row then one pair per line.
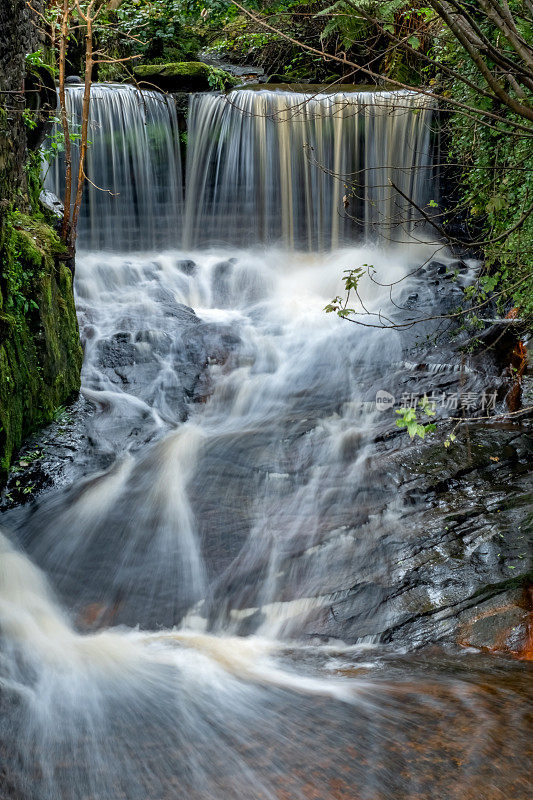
x,y
117,351
186,266
52,203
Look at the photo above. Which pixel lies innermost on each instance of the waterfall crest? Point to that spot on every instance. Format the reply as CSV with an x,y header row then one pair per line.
x,y
274,166
134,197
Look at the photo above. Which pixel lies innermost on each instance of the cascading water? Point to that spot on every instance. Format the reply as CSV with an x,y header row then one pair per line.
x,y
134,195
231,521
274,166
262,166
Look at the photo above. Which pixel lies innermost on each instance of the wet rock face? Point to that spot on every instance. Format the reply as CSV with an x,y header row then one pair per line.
x,y
158,363
461,560
40,354
244,72
501,624
448,561
133,360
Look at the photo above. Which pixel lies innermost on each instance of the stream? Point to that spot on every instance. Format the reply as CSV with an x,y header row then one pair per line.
x,y
237,577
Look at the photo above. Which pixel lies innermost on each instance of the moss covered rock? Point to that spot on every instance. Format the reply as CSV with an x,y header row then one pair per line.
x,y
40,352
183,76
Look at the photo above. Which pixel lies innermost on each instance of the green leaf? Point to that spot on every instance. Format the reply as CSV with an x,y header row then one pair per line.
x,y
412,429
496,203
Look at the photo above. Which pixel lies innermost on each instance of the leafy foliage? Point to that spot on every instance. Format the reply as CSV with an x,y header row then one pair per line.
x,y
355,32
496,186
407,418
158,32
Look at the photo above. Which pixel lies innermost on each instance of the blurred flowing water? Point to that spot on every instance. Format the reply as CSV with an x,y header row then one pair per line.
x,y
262,166
274,166
157,615
134,196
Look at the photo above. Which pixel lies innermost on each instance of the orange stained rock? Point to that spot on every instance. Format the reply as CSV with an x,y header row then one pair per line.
x,y
92,614
526,654
98,615
501,643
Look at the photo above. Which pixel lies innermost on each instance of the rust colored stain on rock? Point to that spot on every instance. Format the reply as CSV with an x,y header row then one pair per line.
x,y
505,630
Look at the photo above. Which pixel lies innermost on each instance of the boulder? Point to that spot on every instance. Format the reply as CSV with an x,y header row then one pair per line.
x,y
52,205
184,76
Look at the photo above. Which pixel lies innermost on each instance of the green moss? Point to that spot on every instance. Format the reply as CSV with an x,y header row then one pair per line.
x,y
42,235
27,249
7,323
183,75
40,352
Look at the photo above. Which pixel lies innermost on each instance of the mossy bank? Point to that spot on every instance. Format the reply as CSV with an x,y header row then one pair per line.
x,y
40,352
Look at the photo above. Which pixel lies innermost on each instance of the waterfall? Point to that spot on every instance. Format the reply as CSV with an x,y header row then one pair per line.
x,y
280,166
133,198
229,548
309,171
